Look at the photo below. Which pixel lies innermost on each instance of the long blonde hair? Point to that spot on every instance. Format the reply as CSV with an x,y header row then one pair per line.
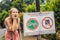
x,y
11,12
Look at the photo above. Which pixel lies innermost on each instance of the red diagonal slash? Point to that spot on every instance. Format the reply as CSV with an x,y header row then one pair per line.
x,y
48,23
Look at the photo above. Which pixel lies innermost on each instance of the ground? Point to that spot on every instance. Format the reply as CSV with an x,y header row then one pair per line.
x,y
29,37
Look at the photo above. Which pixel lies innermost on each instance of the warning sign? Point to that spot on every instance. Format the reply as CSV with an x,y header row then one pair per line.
x,y
32,24
47,22
38,23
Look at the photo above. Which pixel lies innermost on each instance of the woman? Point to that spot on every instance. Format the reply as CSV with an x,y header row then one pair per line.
x,y
12,24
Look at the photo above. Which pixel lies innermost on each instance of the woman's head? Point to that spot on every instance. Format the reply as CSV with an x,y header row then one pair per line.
x,y
13,12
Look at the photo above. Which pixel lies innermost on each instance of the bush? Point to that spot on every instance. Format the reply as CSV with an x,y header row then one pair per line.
x,y
57,12
19,5
47,7
31,8
3,15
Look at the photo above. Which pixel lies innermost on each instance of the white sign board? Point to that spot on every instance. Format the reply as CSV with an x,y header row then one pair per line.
x,y
38,23
47,23
31,23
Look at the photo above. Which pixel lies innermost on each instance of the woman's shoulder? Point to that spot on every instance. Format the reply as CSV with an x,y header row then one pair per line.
x,y
6,19
19,19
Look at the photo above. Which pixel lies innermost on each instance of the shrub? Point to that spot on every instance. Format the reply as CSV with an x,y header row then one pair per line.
x,y
31,8
3,15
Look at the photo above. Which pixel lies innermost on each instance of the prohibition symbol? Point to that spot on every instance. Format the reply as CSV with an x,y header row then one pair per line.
x,y
47,22
32,24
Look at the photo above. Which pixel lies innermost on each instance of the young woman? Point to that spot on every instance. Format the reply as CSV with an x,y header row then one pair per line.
x,y
12,24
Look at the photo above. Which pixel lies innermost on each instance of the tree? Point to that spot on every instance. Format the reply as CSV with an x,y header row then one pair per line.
x,y
19,4
6,4
28,1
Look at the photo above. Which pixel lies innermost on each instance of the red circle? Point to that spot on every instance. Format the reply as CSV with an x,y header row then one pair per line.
x,y
29,20
50,25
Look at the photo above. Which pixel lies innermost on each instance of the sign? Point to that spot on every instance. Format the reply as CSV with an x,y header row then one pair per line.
x,y
38,23
47,23
31,24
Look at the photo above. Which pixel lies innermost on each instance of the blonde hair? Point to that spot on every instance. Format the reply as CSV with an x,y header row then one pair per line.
x,y
12,10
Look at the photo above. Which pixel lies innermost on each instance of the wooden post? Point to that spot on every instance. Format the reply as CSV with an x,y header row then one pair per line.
x,y
37,6
38,10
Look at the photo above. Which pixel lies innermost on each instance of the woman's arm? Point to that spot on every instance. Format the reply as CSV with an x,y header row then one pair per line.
x,y
15,24
8,24
12,26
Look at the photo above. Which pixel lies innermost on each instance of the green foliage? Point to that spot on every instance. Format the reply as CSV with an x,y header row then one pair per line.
x,y
31,8
5,5
28,1
20,5
50,36
57,12
47,7
3,15
3,37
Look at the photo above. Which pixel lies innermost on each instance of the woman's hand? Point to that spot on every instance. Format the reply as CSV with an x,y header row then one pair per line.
x,y
15,23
